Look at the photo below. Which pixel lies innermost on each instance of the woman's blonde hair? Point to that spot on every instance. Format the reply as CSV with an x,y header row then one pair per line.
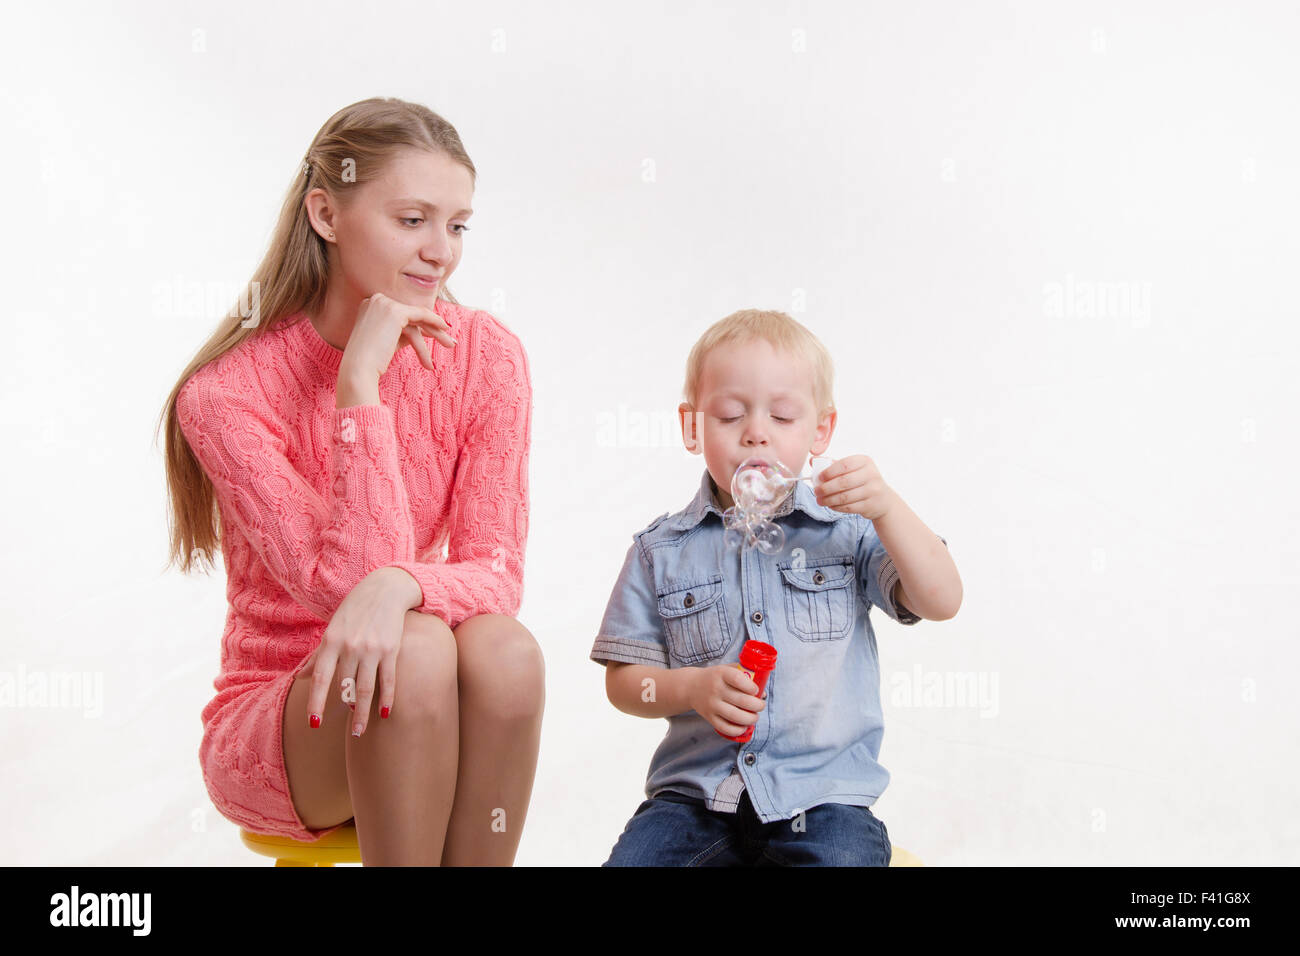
x,y
782,332
352,148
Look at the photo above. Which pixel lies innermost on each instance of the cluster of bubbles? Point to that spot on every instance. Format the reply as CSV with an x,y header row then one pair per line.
x,y
757,488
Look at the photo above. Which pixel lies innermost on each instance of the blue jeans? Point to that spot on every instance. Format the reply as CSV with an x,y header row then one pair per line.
x,y
672,829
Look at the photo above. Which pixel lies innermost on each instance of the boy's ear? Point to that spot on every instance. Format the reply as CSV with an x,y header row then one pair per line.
x,y
689,419
825,428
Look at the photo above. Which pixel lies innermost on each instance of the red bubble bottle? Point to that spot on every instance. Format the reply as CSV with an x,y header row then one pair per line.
x,y
756,660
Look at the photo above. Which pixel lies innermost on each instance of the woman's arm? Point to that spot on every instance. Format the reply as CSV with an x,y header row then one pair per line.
x,y
316,548
488,524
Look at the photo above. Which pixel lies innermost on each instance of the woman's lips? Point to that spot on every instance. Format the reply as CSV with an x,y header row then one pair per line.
x,y
422,283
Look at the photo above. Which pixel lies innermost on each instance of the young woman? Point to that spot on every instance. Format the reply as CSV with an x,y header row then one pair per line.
x,y
370,501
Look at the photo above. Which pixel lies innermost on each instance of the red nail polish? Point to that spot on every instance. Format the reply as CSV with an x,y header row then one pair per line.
x,y
315,720
383,711
352,706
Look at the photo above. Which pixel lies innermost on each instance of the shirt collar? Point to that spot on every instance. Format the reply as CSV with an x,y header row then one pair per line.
x,y
706,501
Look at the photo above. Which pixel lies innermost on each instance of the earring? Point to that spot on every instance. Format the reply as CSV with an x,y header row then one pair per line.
x,y
331,237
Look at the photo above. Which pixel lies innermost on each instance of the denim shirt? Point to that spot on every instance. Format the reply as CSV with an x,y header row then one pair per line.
x,y
683,599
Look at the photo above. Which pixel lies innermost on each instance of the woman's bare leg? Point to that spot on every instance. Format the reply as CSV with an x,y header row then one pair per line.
x,y
402,770
502,693
398,778
316,759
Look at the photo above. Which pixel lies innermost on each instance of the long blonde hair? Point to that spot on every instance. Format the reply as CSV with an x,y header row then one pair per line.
x,y
351,149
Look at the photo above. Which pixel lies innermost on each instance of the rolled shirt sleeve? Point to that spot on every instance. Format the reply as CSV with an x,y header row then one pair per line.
x,y
878,575
632,631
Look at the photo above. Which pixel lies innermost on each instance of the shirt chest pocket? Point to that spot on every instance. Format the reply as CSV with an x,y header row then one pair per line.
x,y
820,601
695,620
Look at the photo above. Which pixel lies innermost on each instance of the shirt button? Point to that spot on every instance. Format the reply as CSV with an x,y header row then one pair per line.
x,y
690,600
757,617
749,759
819,578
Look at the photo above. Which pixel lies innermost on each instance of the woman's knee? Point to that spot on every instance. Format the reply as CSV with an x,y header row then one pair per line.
x,y
426,668
501,666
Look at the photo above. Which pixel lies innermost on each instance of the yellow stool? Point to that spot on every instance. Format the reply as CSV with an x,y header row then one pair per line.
x,y
337,847
900,857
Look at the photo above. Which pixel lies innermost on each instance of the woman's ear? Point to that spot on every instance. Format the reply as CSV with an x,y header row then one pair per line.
x,y
320,213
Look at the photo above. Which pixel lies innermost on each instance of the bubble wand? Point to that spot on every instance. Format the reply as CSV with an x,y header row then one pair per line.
x,y
757,487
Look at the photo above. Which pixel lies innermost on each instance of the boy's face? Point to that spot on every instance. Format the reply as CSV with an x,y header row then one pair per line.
x,y
755,401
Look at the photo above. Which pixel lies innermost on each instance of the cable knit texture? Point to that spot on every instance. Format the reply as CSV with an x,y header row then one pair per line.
x,y
313,498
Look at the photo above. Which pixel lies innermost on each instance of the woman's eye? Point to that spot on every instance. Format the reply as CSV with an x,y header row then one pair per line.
x,y
728,421
416,220
783,420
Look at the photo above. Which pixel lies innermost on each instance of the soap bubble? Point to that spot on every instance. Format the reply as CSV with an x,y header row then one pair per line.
x,y
757,488
771,539
759,485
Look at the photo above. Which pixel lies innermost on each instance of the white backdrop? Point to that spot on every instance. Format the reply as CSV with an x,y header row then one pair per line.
x,y
1050,246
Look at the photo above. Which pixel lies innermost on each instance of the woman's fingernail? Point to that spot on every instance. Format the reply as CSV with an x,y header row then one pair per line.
x,y
352,706
315,720
356,730
383,711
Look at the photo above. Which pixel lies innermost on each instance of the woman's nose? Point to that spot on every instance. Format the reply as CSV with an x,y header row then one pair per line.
x,y
437,250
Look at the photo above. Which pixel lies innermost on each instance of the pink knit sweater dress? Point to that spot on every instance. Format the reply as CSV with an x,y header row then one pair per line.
x,y
434,479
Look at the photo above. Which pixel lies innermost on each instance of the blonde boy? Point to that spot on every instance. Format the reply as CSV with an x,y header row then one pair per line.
x,y
758,384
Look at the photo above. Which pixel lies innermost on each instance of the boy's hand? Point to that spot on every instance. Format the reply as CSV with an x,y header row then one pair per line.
x,y
725,697
853,485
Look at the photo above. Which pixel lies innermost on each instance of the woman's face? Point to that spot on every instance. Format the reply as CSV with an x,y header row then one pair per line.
x,y
403,226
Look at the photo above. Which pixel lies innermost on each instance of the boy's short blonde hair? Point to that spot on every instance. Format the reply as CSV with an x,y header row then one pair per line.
x,y
782,332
